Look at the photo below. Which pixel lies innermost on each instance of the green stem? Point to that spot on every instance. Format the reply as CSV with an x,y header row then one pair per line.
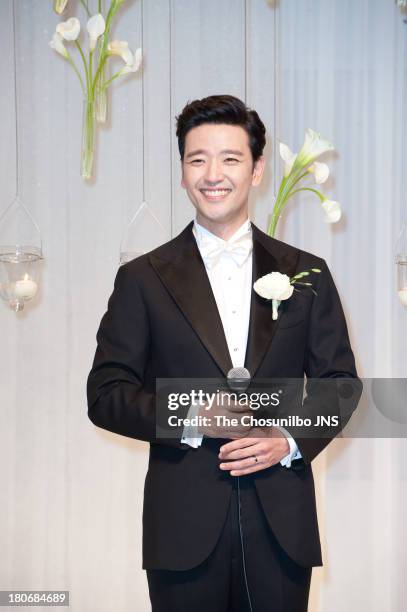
x,y
100,89
70,60
114,7
285,187
100,47
306,173
84,63
91,84
103,55
102,61
293,180
318,193
283,194
107,83
274,214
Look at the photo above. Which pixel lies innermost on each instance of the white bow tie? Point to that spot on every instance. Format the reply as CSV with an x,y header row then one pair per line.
x,y
212,249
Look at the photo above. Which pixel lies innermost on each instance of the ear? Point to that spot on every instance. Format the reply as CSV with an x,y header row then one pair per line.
x,y
258,170
182,174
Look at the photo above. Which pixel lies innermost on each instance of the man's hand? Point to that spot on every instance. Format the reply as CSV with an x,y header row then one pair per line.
x,y
252,454
227,409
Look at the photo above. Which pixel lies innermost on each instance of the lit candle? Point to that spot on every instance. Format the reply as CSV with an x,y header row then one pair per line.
x,y
403,296
25,289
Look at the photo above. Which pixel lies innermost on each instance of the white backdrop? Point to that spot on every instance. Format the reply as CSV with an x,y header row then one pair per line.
x,y
71,495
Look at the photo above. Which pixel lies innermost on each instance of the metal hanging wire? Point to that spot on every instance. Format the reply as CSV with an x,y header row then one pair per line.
x,y
15,96
16,199
275,96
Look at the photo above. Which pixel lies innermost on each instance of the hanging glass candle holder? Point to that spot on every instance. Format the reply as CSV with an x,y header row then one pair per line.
x,y
143,233
401,262
20,255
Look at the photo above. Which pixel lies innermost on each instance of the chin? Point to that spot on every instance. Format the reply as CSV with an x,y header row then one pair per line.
x,y
218,216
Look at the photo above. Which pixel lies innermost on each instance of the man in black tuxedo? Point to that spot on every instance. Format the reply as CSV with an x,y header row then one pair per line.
x,y
229,519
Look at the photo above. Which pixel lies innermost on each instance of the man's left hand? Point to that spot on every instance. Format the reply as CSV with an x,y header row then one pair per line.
x,y
259,450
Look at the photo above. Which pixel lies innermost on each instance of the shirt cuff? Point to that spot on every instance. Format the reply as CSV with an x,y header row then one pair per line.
x,y
294,452
190,433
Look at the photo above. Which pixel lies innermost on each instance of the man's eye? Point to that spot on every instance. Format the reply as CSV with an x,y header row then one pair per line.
x,y
194,161
231,159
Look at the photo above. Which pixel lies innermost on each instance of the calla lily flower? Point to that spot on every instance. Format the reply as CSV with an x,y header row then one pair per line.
x,y
135,65
320,172
288,156
57,44
96,27
121,48
60,6
69,30
318,169
313,147
296,168
332,211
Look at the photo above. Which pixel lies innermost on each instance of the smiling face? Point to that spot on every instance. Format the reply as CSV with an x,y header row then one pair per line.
x,y
218,173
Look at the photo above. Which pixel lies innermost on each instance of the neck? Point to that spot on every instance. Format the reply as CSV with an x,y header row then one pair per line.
x,y
222,229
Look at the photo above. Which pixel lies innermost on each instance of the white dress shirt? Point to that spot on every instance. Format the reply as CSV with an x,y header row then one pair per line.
x,y
231,281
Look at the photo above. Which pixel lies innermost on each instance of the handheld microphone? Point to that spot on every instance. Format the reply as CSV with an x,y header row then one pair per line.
x,y
238,379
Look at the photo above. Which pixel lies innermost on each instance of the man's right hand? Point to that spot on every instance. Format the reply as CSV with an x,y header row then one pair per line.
x,y
223,427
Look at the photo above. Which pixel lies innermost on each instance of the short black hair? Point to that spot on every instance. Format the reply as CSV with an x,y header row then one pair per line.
x,y
222,109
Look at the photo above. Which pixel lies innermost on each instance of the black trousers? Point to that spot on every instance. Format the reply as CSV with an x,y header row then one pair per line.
x,y
247,571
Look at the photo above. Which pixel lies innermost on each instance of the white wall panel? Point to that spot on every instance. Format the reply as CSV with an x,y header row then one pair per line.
x,y
207,58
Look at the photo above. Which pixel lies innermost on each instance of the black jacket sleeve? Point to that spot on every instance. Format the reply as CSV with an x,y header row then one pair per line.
x,y
120,392
333,387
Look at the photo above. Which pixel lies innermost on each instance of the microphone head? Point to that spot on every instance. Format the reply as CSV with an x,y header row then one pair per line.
x,y
238,379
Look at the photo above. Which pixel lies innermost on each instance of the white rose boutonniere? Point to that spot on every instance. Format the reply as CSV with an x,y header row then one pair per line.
x,y
278,287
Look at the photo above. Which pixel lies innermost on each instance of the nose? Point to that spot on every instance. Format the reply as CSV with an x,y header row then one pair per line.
x,y
213,172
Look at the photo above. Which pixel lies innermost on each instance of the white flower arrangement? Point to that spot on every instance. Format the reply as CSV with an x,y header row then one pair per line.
x,y
297,167
93,82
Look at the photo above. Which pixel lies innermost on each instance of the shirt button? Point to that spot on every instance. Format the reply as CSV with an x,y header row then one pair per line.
x,y
229,278
235,349
233,311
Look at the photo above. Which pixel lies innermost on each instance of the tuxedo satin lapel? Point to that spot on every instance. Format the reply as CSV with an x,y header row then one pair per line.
x,y
182,270
268,256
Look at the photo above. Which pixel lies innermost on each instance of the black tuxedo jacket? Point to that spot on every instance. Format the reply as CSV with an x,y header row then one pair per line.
x,y
162,322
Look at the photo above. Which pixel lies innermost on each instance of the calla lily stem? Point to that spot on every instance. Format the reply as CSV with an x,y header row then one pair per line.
x,y
318,193
283,194
106,83
84,63
91,68
70,60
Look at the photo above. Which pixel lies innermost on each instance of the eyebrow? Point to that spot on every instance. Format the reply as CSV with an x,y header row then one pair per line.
x,y
202,151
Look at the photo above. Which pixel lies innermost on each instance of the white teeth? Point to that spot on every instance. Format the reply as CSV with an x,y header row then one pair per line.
x,y
215,193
